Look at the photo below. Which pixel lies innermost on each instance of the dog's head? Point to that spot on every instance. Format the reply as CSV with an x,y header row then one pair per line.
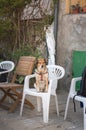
x,y
41,65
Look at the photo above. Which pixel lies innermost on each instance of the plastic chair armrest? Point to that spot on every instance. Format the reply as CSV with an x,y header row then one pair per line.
x,y
27,80
76,79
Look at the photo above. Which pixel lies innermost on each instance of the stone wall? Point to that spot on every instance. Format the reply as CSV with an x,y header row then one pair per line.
x,y
71,36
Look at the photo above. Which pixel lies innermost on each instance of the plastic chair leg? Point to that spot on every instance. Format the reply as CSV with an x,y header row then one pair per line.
x,y
22,104
57,108
39,104
84,116
66,110
45,102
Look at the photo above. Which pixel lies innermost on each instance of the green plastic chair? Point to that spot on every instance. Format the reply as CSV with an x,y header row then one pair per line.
x,y
78,64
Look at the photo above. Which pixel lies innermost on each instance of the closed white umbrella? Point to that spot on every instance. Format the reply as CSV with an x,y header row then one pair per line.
x,y
50,44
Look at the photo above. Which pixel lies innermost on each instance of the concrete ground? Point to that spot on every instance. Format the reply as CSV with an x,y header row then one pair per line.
x,y
32,120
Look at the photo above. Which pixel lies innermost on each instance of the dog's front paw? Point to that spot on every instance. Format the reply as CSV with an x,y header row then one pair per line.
x,y
37,89
46,90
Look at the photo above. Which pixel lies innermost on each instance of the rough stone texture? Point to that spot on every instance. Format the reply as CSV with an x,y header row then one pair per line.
x,y
71,36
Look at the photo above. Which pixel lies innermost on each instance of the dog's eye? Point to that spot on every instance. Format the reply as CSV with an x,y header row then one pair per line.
x,y
40,63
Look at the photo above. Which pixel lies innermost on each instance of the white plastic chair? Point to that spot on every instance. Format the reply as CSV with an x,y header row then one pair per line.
x,y
55,73
7,66
82,99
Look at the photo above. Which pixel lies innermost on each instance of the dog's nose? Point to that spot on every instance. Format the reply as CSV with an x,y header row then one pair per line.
x,y
42,66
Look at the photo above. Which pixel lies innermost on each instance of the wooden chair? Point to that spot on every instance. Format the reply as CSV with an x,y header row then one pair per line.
x,y
14,90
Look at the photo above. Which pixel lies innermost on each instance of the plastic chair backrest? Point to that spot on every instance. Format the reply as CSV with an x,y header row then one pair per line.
x,y
5,68
78,64
55,73
8,66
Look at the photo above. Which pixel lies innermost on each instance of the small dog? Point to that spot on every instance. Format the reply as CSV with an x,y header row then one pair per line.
x,y
41,76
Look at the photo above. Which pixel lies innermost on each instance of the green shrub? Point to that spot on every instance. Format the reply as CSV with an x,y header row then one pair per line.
x,y
26,51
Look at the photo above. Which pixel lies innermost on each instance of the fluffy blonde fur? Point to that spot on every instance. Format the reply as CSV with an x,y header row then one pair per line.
x,y
41,76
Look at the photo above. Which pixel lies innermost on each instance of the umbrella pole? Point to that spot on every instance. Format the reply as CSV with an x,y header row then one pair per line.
x,y
56,27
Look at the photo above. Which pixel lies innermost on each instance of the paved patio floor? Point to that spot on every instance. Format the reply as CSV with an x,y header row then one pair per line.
x,y
32,120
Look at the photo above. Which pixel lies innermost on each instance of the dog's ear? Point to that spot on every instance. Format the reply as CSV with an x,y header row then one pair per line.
x,y
36,61
41,59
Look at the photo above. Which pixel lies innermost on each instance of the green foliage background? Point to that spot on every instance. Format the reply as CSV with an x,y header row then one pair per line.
x,y
12,44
